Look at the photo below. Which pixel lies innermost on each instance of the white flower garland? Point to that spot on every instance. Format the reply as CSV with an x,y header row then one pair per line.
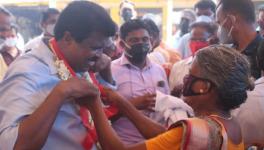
x,y
63,71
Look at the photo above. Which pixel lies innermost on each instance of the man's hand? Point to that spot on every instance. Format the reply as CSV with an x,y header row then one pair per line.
x,y
103,66
102,63
76,88
29,134
111,96
144,102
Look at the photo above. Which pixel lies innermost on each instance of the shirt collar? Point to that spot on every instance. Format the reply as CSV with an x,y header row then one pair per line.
x,y
124,61
44,54
253,45
259,81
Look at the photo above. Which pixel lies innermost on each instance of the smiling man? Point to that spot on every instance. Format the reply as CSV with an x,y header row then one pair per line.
x,y
38,109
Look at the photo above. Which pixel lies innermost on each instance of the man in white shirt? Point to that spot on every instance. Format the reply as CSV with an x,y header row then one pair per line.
x,y
250,116
201,31
48,21
202,8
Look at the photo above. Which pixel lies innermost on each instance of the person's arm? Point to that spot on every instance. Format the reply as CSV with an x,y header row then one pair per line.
x,y
107,137
34,129
109,140
146,126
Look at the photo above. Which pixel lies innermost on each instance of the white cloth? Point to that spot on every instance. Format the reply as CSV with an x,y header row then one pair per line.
x,y
33,43
178,71
250,115
183,46
172,108
26,85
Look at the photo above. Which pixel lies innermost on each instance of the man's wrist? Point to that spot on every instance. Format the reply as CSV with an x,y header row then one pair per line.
x,y
93,105
62,92
105,83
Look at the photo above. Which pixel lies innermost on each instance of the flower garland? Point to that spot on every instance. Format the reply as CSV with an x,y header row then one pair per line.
x,y
65,72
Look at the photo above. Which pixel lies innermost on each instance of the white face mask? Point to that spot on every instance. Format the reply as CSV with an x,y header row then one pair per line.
x,y
11,42
224,35
50,29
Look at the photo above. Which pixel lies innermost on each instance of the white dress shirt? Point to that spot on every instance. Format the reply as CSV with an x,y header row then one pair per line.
x,y
250,115
178,71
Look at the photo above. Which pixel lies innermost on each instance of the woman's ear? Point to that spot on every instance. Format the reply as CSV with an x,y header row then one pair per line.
x,y
201,87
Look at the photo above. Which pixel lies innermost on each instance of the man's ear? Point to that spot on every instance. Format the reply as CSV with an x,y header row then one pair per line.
x,y
233,19
43,25
122,44
67,38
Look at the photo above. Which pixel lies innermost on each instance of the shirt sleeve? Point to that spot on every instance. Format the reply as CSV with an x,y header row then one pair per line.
x,y
15,104
170,140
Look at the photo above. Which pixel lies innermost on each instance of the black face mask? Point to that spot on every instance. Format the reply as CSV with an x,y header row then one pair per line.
x,y
127,14
188,82
138,52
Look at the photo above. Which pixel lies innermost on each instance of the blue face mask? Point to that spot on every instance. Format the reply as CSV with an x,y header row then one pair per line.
x,y
224,34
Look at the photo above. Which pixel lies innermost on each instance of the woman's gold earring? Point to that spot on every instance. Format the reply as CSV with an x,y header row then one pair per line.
x,y
201,90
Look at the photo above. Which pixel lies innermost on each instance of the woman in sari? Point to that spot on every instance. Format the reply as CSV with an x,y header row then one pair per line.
x,y
217,83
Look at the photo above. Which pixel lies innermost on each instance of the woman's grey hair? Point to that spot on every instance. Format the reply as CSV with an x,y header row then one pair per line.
x,y
229,71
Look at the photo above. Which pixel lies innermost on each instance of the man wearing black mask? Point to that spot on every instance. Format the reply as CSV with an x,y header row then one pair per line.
x,y
137,78
127,11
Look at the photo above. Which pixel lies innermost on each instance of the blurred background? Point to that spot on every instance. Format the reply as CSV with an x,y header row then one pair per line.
x,y
167,13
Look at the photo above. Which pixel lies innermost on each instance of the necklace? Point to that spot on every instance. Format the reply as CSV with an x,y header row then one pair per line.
x,y
222,117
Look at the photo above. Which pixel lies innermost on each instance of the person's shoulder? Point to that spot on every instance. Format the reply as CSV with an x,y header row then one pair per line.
x,y
33,42
115,64
186,37
258,91
156,66
183,63
27,64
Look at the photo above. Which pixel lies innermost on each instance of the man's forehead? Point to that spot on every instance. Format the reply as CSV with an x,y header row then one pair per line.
x,y
96,40
53,17
5,20
203,10
138,33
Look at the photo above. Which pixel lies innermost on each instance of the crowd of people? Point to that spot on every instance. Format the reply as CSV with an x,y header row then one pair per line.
x,y
88,83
